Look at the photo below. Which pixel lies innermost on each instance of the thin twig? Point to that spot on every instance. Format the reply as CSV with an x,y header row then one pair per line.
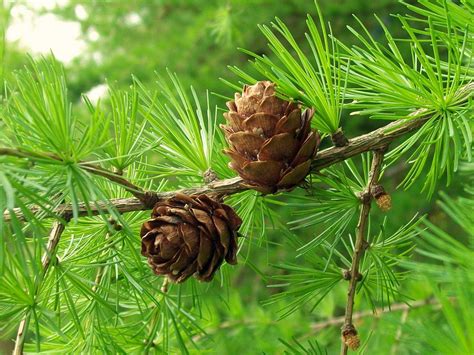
x,y
115,227
91,168
54,236
398,335
348,328
100,270
149,341
316,327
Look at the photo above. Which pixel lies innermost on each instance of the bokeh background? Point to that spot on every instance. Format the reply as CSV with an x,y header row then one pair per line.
x,y
101,41
106,42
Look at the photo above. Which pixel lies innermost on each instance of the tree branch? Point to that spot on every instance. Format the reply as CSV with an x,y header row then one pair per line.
x,y
348,332
145,200
54,236
123,205
324,159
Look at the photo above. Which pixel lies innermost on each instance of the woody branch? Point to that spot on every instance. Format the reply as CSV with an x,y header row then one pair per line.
x,y
144,200
324,159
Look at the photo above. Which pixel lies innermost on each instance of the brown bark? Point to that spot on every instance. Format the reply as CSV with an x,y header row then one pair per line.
x,y
325,158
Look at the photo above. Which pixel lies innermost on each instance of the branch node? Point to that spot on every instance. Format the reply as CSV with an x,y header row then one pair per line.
x,y
118,171
382,150
350,336
149,199
339,139
209,176
114,224
346,274
365,246
365,197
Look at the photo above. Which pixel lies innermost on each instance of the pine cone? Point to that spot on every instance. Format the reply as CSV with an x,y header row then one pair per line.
x,y
271,141
190,235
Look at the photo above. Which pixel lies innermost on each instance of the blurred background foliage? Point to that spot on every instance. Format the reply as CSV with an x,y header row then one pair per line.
x,y
194,38
198,39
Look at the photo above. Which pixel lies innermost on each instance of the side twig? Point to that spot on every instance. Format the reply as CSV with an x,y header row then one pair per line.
x,y
54,236
348,332
398,335
318,326
155,322
89,167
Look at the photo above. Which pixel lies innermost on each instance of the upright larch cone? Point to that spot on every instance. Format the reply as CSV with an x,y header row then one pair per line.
x,y
271,141
190,235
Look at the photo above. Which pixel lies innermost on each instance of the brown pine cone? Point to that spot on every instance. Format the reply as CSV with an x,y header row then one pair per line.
x,y
271,141
190,235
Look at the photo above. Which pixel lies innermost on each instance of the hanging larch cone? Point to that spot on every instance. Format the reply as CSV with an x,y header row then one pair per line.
x,y
271,141
190,235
